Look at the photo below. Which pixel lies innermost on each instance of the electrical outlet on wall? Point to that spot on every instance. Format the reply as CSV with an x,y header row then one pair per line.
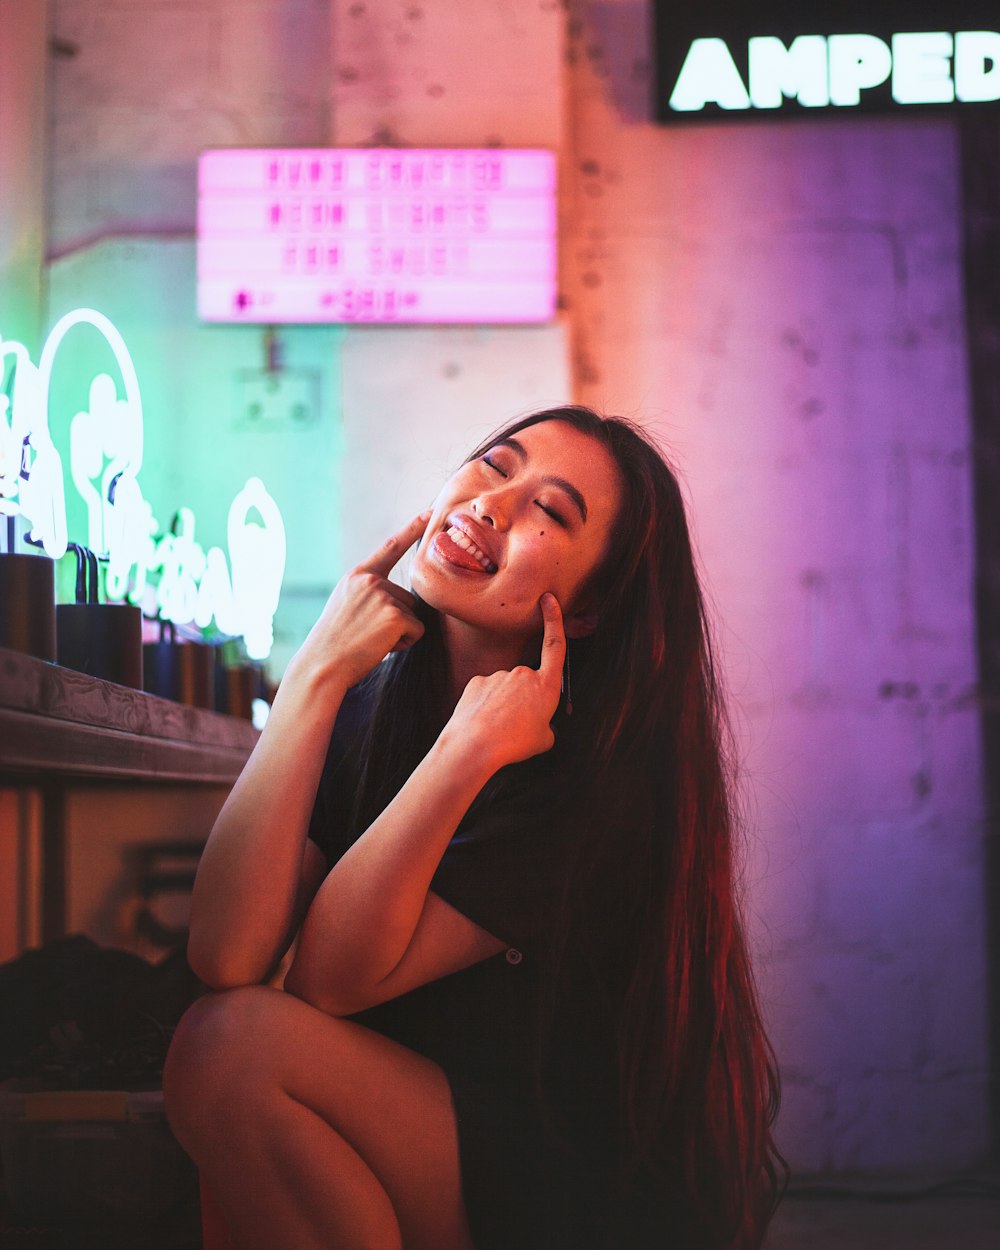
x,y
277,399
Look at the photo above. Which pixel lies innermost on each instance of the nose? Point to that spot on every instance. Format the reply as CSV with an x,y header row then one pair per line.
x,y
492,508
484,512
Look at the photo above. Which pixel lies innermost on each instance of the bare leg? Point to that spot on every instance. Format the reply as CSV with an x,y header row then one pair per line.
x,y
313,1131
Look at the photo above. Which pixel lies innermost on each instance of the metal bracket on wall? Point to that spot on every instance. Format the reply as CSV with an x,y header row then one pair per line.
x,y
277,399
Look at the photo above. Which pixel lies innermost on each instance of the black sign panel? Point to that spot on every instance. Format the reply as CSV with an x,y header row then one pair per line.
x,y
733,60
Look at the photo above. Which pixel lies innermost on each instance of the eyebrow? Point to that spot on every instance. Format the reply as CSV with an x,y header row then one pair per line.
x,y
551,480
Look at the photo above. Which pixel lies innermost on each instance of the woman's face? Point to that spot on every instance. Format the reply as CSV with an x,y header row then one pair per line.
x,y
533,514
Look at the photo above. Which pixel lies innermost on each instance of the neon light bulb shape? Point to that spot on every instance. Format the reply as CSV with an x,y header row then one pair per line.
x,y
246,603
119,519
258,556
90,316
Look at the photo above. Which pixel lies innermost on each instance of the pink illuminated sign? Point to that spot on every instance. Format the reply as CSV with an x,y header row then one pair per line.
x,y
441,235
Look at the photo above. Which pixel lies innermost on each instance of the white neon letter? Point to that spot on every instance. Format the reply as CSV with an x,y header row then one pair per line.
x,y
977,66
708,76
257,553
31,473
798,71
856,62
921,68
182,561
215,595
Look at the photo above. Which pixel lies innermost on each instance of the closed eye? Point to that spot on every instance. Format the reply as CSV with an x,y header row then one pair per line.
x,y
549,511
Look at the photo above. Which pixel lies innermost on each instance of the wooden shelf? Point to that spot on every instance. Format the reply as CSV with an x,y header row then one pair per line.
x,y
55,722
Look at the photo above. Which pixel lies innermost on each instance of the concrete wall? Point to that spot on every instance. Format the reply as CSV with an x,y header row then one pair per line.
x,y
23,37
781,304
423,75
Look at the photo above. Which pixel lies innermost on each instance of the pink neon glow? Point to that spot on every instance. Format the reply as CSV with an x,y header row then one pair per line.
x,y
377,235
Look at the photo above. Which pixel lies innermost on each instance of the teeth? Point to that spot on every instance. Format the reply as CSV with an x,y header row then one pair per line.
x,y
465,542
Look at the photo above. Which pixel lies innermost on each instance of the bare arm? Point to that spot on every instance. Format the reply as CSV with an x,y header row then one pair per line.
x,y
375,929
259,871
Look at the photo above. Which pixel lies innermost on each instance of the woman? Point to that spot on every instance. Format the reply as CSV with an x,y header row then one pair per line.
x,y
520,1011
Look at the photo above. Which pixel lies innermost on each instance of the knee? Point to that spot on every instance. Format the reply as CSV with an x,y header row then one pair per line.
x,y
210,1069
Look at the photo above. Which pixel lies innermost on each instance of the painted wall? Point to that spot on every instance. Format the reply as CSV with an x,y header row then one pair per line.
x,y
23,34
780,303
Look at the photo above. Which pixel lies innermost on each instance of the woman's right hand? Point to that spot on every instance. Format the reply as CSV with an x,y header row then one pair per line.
x,y
367,616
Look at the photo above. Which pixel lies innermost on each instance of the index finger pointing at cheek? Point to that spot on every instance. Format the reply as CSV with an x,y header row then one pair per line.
x,y
393,549
553,639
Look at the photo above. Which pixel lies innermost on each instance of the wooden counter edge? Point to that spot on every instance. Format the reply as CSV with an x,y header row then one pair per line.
x,y
55,720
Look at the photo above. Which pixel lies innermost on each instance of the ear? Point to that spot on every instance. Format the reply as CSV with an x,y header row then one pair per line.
x,y
581,624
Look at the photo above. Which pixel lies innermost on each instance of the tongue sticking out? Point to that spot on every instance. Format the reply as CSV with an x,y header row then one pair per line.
x,y
455,554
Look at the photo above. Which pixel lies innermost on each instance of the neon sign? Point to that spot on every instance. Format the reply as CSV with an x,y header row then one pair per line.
x,y
725,58
376,235
258,559
818,72
106,443
31,474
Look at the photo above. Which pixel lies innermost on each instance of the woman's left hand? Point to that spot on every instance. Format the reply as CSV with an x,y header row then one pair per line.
x,y
506,718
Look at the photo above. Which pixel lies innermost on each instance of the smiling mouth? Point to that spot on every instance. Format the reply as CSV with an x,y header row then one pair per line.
x,y
458,548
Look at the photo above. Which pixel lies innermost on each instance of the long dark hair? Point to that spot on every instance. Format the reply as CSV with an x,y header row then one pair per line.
x,y
646,766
